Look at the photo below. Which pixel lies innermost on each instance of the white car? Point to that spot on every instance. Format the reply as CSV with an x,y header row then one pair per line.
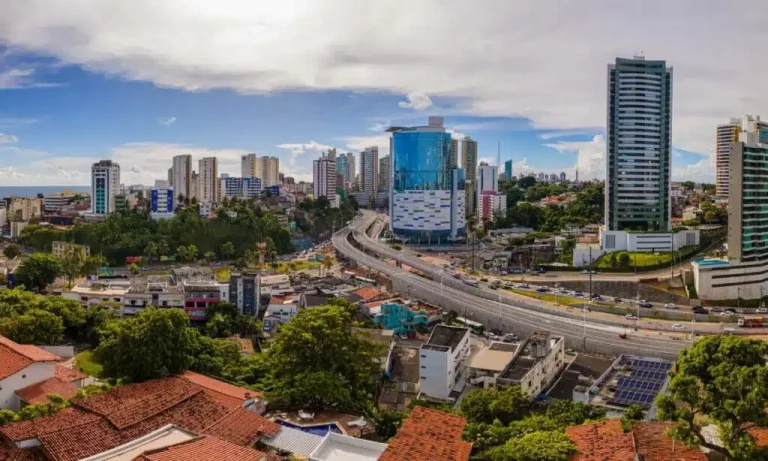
x,y
670,306
677,327
763,310
630,317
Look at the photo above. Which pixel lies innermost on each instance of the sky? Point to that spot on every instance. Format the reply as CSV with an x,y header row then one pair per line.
x,y
141,81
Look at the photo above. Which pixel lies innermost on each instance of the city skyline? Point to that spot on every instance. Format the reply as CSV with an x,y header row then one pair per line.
x,y
65,106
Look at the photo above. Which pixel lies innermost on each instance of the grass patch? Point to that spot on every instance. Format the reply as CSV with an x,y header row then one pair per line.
x,y
85,362
549,297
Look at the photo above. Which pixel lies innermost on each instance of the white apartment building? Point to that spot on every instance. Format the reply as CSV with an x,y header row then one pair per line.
x,y
54,202
324,179
536,365
181,177
208,180
487,179
369,170
105,184
194,186
442,361
250,166
270,167
727,134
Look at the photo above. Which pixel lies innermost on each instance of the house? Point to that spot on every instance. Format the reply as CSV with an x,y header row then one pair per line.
x,y
490,362
385,338
647,440
102,291
428,435
403,317
283,308
338,447
535,365
200,295
59,248
155,291
28,374
135,418
182,445
441,362
369,294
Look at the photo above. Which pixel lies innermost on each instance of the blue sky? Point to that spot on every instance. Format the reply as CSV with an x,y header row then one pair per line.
x,y
92,80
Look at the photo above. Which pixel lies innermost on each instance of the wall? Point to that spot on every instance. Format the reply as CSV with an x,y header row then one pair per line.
x,y
433,373
623,289
731,281
33,374
64,352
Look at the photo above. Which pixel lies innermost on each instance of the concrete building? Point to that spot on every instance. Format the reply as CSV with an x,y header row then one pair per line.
x,y
490,203
241,188
244,291
208,181
454,158
651,242
342,168
105,184
351,174
324,179
562,176
182,176
727,134
369,170
161,203
60,248
508,170
270,168
249,166
490,362
487,178
426,200
638,145
54,202
542,177
469,164
194,187
200,295
536,365
442,362
384,174
22,209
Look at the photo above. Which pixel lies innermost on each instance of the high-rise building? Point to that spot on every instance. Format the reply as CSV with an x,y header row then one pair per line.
x,y
454,153
170,177
352,172
384,173
489,202
469,163
324,179
270,167
426,199
208,181
181,179
369,170
242,188
508,170
161,202
562,176
342,168
194,187
487,178
249,166
542,177
105,183
726,135
748,159
638,145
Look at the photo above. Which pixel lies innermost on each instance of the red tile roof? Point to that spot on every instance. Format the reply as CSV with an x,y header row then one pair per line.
x,y
206,449
429,435
607,441
66,418
15,454
68,375
367,293
15,357
220,387
242,427
38,393
29,351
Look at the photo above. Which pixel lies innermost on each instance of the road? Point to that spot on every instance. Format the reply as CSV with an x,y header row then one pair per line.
x,y
500,311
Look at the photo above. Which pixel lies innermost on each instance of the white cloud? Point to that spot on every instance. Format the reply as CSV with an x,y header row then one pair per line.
x,y
590,157
8,139
167,121
563,133
16,78
359,143
416,101
296,150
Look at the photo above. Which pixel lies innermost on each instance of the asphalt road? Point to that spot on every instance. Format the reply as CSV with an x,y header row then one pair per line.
x,y
453,294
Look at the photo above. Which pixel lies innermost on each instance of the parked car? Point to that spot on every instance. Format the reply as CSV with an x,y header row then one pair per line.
x,y
510,338
484,279
617,300
570,352
646,305
762,310
494,287
728,312
524,285
670,306
630,317
717,309
700,310
542,289
677,327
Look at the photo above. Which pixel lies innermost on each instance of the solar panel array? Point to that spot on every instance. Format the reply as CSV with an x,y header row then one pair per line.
x,y
643,384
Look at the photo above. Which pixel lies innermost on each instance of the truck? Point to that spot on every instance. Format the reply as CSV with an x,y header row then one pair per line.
x,y
750,323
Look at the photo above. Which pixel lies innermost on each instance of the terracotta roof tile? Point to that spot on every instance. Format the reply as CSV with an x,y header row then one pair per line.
x,y
367,293
242,427
761,436
655,445
429,435
66,418
80,441
11,362
68,375
15,454
220,387
38,393
206,449
29,351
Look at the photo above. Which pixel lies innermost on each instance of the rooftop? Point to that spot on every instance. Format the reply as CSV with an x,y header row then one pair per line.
x,y
206,448
519,368
495,357
337,447
68,375
428,435
15,357
192,272
631,380
368,293
38,393
154,284
447,336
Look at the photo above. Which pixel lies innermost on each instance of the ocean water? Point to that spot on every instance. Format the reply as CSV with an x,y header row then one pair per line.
x,y
32,191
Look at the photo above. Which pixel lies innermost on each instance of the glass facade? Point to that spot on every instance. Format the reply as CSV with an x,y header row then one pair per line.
x,y
421,160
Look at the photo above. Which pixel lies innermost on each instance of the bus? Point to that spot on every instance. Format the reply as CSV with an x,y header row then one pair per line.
x,y
476,327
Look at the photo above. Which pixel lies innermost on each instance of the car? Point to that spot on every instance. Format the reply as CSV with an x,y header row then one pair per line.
x,y
517,271
646,305
542,289
617,300
542,270
570,352
524,285
419,255
577,293
593,272
484,279
630,317
700,310
508,284
729,312
497,332
510,338
717,309
670,306
585,271
762,310
678,327
494,287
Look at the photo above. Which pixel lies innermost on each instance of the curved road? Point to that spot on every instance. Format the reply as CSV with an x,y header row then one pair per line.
x,y
504,312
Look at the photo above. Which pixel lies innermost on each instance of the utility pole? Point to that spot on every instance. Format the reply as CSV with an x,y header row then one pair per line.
x,y
590,274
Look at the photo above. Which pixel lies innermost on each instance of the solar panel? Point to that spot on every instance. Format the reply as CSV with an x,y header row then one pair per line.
x,y
651,365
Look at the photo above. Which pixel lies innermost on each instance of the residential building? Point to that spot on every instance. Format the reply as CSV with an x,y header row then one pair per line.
x,y
384,173
352,169
242,188
153,291
194,187
369,170
324,179
490,362
281,309
487,178
24,208
105,183
270,167
162,184
638,145
200,295
161,203
60,248
54,202
442,362
249,166
508,175
426,198
469,164
342,168
454,156
244,291
728,134
536,366
562,176
491,204
542,177
429,435
208,182
182,176
95,293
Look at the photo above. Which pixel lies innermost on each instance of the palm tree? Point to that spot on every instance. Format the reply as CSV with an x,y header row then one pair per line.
x,y
151,250
162,247
192,248
209,256
182,252
227,250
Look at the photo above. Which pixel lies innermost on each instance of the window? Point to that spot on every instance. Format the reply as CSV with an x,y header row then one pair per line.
x,y
423,366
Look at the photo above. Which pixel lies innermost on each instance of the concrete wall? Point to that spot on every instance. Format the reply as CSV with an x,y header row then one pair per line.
x,y
623,289
731,281
433,373
32,374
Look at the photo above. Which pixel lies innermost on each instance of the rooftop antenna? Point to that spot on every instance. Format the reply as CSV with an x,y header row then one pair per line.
x,y
640,55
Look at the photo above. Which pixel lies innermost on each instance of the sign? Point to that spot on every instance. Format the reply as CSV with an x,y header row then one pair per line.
x,y
132,259
105,272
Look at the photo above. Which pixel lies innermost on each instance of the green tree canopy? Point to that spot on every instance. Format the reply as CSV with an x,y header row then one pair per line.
x,y
11,251
722,379
536,446
318,361
486,405
35,326
39,271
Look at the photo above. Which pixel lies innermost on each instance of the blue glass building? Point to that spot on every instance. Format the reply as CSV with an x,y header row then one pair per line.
x,y
427,191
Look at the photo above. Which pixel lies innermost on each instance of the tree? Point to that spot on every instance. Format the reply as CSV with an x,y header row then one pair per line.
x,y
318,361
92,264
151,250
486,405
631,414
218,327
722,379
327,263
227,250
12,251
72,263
209,256
526,182
624,259
689,185
536,446
387,422
134,268
155,343
39,271
162,248
36,326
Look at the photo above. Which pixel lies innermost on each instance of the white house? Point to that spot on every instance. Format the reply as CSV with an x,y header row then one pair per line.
x,y
442,361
